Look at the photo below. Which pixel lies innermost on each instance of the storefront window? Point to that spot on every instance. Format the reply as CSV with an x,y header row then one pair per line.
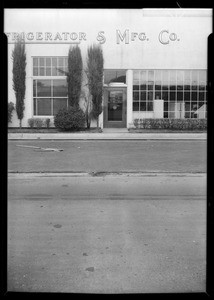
x,y
184,92
50,66
49,96
111,76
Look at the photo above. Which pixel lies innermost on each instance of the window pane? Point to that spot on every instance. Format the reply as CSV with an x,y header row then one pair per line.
x,y
165,87
194,96
150,95
180,87
54,71
201,96
187,76
60,88
151,76
157,95
136,76
59,71
186,95
202,86
34,88
43,88
136,87
187,85
114,76
143,106
172,96
35,71
66,61
48,61
180,75
195,76
165,77
54,61
187,106
135,95
60,61
172,77
44,106
48,71
172,87
35,62
194,86
179,96
41,62
165,114
34,107
41,71
143,78
135,106
143,95
166,106
202,76
201,105
157,76
150,106
143,87
158,85
165,95
59,104
194,106
187,114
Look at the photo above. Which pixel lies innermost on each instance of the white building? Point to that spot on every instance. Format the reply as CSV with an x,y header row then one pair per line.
x,y
155,60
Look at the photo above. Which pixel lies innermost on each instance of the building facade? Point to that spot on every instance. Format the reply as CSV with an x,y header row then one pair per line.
x,y
155,60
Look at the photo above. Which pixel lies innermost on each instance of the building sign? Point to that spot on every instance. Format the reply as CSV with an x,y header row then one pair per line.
x,y
121,37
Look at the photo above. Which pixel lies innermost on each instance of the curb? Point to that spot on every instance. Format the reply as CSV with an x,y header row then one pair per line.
x,y
110,136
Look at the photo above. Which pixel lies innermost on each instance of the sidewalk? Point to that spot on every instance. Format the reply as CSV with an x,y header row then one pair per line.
x,y
107,136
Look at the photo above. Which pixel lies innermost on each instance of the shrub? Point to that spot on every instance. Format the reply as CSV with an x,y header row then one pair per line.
x,y
31,122
72,118
174,124
11,108
47,122
38,122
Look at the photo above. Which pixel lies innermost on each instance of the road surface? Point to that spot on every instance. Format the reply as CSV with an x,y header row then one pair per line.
x,y
107,234
108,156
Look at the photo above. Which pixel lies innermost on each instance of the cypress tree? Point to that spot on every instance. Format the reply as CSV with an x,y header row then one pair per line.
x,y
74,75
94,73
19,76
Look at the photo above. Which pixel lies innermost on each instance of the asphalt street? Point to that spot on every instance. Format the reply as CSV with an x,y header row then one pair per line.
x,y
107,216
107,234
108,156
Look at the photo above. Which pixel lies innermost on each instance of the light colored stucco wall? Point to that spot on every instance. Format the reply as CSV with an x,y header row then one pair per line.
x,y
187,48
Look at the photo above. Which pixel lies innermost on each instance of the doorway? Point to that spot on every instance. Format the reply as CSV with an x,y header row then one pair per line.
x,y
115,108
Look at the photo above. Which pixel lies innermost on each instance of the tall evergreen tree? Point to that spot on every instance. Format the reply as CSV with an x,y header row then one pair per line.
x,y
74,75
19,76
94,73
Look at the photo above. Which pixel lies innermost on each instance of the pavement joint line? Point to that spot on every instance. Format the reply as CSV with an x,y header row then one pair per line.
x,y
116,138
102,174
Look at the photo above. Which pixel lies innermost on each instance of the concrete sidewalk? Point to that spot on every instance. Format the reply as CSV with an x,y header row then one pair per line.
x,y
108,136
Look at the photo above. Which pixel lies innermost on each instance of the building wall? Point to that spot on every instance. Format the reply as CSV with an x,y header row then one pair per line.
x,y
131,39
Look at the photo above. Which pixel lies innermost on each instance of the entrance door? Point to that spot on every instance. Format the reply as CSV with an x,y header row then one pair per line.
x,y
115,108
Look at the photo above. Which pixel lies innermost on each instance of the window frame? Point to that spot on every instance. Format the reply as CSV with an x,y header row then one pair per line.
x,y
179,90
52,78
